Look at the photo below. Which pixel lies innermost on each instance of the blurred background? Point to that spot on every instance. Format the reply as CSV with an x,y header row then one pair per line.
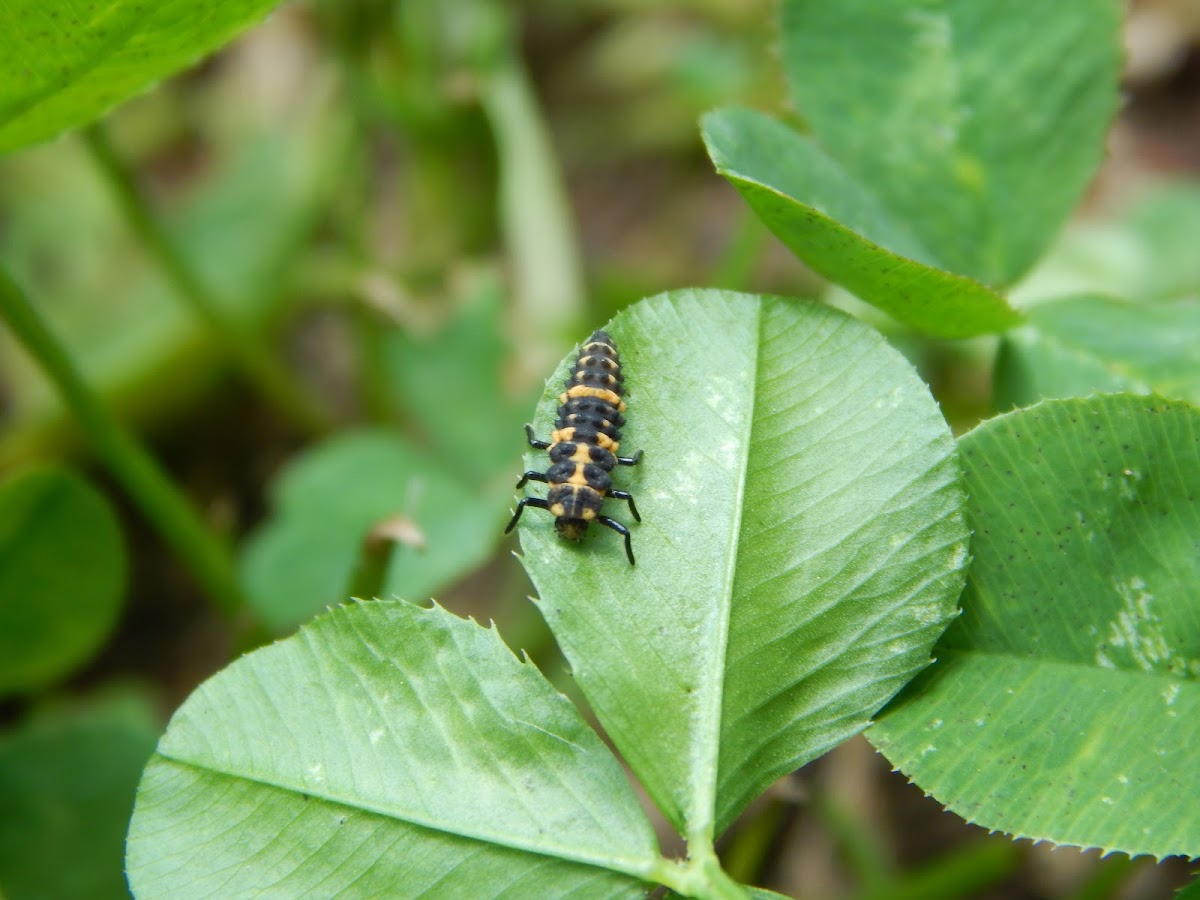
x,y
324,274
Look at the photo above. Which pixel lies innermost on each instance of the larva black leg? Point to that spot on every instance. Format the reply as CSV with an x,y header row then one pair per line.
x,y
535,502
630,460
532,476
535,443
624,495
619,529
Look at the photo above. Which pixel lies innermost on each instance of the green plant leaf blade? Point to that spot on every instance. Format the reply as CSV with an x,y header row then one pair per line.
x,y
66,787
756,893
1080,345
351,853
63,66
977,124
842,230
801,545
62,575
385,750
451,383
1190,891
1146,254
329,498
1063,698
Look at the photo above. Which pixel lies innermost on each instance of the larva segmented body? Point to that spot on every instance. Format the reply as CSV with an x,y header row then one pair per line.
x,y
583,447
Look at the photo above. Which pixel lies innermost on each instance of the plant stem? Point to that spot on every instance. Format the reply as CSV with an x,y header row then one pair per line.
x,y
1107,877
735,266
719,886
855,842
255,361
370,571
133,467
535,215
963,873
751,843
700,877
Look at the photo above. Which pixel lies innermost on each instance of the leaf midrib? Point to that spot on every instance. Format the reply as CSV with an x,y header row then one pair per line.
x,y
702,820
640,869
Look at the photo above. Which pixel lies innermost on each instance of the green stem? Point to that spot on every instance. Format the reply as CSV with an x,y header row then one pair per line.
x,y
370,572
964,873
700,877
735,266
1107,878
718,884
535,216
863,855
129,462
750,846
258,365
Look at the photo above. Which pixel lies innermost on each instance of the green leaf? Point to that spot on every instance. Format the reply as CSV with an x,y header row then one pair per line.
x,y
1081,345
64,65
452,383
754,892
1148,253
66,787
385,750
1064,701
62,576
840,227
1189,892
978,125
253,216
801,546
326,503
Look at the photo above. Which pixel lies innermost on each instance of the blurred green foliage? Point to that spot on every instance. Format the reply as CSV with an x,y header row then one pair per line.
x,y
62,576
66,786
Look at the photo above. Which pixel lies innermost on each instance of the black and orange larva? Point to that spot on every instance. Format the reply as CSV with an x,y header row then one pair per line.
x,y
583,447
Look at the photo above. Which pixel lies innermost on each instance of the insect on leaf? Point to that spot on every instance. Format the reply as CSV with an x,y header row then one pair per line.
x,y
801,545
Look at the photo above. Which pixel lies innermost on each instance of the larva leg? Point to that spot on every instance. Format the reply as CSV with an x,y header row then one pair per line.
x,y
619,529
535,443
624,495
535,502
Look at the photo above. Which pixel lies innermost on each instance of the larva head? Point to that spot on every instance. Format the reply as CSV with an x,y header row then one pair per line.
x,y
570,529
